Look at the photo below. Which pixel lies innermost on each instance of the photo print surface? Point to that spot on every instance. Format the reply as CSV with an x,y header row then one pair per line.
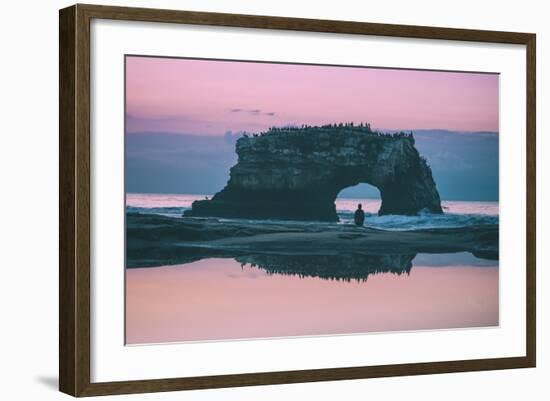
x,y
272,200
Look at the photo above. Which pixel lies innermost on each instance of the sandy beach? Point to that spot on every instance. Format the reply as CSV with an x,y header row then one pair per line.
x,y
154,240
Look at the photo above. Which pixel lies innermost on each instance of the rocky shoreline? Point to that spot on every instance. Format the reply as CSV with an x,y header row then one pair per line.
x,y
154,240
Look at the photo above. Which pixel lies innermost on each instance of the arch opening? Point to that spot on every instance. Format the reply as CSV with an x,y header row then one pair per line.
x,y
362,190
349,197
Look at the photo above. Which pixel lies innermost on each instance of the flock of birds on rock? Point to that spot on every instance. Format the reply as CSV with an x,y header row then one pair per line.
x,y
362,127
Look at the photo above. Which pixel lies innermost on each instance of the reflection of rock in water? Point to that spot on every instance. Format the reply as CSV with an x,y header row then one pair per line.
x,y
342,267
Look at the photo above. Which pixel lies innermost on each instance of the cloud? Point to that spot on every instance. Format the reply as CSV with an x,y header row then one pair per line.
x,y
167,123
168,162
252,111
449,161
231,137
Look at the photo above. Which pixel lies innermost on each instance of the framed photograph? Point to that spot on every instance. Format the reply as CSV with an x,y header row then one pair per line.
x,y
250,200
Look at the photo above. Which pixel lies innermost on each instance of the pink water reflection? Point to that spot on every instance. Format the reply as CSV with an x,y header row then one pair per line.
x,y
216,299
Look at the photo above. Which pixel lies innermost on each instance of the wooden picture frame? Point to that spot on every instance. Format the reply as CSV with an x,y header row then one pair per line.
x,y
74,199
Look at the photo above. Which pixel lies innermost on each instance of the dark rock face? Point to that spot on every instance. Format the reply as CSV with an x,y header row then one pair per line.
x,y
297,173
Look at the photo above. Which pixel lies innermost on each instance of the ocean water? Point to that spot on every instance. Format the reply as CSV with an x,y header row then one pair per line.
x,y
267,296
457,213
223,299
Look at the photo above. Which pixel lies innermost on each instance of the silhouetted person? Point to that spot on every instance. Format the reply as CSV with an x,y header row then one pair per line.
x,y
359,216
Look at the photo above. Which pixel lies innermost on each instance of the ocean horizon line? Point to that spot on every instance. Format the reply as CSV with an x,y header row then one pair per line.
x,y
338,197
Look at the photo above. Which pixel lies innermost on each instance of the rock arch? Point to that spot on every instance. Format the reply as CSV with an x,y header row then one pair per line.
x,y
296,173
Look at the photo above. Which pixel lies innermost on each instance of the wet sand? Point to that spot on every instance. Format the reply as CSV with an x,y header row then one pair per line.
x,y
154,240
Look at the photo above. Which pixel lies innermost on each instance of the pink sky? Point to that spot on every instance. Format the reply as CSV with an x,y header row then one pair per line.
x,y
212,97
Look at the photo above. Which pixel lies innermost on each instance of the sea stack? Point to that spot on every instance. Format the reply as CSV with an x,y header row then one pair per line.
x,y
297,173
